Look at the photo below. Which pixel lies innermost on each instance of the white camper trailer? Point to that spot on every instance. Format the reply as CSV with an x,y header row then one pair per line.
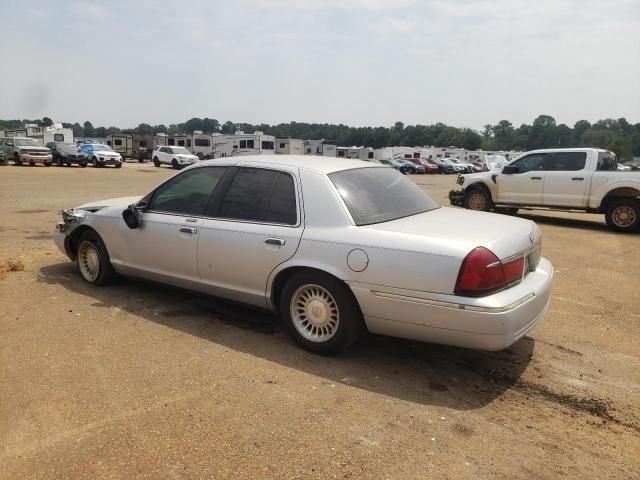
x,y
121,143
324,148
256,143
349,152
53,133
289,146
200,144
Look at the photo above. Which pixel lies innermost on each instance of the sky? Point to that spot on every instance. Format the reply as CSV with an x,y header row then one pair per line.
x,y
465,63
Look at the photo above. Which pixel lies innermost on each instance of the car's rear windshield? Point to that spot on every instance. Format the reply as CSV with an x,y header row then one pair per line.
x,y
379,194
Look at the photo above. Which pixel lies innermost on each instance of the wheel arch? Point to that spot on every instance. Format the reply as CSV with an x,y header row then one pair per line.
x,y
279,279
622,191
479,185
71,242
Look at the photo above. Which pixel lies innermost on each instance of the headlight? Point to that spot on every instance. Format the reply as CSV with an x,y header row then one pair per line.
x,y
460,180
73,216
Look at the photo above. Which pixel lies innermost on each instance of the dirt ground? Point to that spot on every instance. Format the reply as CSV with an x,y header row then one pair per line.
x,y
139,380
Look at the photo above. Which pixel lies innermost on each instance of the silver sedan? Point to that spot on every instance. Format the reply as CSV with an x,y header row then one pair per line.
x,y
336,246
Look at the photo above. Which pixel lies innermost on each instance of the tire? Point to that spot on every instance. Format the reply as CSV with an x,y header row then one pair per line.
x,y
94,160
623,214
175,164
92,260
118,165
83,164
59,161
340,320
16,159
478,199
156,162
48,164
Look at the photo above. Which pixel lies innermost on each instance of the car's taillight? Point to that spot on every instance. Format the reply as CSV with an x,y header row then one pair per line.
x,y
482,273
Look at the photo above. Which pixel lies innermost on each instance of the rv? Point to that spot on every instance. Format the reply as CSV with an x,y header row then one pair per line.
x,y
200,144
122,143
349,152
289,146
54,133
256,143
324,148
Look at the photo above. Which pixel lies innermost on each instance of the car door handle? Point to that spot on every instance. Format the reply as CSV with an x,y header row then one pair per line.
x,y
275,241
536,178
577,178
190,230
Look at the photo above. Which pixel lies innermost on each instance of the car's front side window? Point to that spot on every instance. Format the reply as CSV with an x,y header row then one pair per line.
x,y
187,193
530,163
260,195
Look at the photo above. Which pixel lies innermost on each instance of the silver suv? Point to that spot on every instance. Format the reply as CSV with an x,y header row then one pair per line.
x,y
22,150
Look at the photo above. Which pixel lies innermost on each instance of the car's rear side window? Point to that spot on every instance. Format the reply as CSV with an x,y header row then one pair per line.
x,y
607,161
380,194
187,193
260,195
567,161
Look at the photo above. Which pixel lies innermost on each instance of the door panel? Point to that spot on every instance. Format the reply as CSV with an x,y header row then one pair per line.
x,y
163,249
235,259
566,179
526,186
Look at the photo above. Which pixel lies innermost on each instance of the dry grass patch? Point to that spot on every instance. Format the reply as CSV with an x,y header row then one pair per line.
x,y
10,265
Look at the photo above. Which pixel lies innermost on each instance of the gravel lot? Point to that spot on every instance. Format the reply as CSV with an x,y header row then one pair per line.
x,y
139,380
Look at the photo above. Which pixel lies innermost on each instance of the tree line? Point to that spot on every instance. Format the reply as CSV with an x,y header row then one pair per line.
x,y
617,135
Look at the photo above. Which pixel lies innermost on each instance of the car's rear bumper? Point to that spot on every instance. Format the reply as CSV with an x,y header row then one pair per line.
x,y
456,198
489,323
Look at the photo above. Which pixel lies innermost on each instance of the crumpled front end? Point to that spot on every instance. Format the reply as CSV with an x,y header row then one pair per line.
x,y
71,219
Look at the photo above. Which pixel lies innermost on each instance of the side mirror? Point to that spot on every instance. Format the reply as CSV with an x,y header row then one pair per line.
x,y
509,170
132,217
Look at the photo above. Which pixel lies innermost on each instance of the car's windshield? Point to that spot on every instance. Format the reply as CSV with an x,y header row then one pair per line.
x,y
180,150
27,142
375,195
101,147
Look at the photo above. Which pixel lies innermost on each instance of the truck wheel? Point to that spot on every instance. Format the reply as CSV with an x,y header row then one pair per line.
x,y
16,159
477,199
623,214
320,313
93,261
59,161
156,162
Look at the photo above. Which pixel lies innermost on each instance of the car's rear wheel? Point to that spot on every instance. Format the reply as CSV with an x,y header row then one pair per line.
x,y
83,164
623,214
93,261
156,162
16,159
320,312
59,161
477,199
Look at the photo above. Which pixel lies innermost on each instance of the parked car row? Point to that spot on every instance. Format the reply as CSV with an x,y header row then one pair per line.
x,y
28,150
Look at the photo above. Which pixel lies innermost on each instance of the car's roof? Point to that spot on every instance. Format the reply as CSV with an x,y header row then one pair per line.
x,y
577,149
307,162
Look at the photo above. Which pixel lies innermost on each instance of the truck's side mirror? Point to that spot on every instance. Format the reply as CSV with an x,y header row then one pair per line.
x,y
509,170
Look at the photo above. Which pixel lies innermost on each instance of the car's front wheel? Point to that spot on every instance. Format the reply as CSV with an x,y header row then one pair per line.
x,y
477,199
320,312
623,214
175,164
16,159
156,161
93,261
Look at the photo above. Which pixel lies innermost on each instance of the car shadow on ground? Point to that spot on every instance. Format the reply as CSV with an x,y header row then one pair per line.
x,y
585,224
411,371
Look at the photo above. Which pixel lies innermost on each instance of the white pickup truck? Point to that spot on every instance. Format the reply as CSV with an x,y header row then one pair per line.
x,y
568,179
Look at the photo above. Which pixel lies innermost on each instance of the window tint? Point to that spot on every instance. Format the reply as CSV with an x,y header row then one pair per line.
x,y
243,144
282,145
187,193
568,161
58,137
250,144
171,141
266,145
260,195
202,142
375,195
530,162
607,161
